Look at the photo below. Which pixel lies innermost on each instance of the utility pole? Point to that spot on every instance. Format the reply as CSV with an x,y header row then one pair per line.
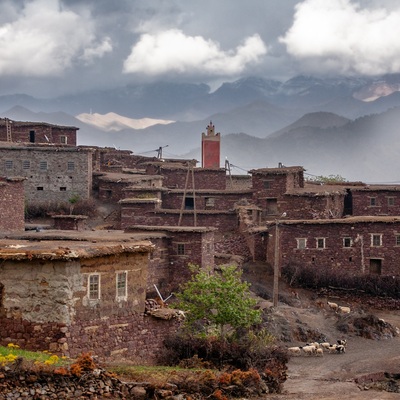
x,y
276,266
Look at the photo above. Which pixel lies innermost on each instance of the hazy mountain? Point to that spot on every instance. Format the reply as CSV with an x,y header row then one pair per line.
x,y
191,102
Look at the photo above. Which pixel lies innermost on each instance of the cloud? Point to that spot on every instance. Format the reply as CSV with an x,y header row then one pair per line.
x,y
341,36
173,51
45,39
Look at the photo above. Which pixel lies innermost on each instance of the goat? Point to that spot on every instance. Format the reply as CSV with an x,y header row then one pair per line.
x,y
334,306
295,351
325,345
342,342
319,352
344,310
308,350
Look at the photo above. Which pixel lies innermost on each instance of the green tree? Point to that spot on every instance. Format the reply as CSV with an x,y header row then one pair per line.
x,y
328,179
222,299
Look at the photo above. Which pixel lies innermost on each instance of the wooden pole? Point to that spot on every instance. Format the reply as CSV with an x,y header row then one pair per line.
x,y
276,266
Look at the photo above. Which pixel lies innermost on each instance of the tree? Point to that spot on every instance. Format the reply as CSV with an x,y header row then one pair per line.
x,y
222,299
328,179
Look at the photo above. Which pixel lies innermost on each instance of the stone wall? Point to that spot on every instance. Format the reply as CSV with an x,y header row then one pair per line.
x,y
379,202
52,173
36,132
205,200
361,256
47,305
175,177
12,209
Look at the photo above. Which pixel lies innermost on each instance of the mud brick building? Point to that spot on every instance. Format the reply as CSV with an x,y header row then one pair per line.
x,y
356,245
12,204
74,293
52,173
36,132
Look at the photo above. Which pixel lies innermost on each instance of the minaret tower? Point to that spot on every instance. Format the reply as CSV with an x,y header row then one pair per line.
x,y
210,148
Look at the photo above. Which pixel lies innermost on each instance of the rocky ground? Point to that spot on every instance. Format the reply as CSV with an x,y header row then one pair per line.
x,y
370,363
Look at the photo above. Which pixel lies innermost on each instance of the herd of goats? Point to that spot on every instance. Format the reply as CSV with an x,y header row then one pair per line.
x,y
317,349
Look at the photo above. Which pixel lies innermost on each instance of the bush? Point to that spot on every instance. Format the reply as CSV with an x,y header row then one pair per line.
x,y
48,208
323,278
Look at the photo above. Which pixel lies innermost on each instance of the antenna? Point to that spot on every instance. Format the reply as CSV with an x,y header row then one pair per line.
x,y
159,151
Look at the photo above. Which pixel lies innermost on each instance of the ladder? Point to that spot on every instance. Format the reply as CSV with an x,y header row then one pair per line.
x,y
190,171
8,129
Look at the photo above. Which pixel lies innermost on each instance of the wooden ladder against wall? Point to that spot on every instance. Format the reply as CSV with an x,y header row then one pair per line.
x,y
190,170
8,129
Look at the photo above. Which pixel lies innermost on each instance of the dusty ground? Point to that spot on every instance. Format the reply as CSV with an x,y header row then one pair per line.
x,y
332,376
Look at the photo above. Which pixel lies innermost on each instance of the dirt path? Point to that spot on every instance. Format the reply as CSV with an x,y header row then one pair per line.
x,y
333,376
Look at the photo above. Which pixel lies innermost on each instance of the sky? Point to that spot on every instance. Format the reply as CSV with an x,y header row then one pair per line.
x,y
56,47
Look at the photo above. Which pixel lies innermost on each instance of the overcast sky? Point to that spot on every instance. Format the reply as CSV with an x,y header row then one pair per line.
x,y
52,47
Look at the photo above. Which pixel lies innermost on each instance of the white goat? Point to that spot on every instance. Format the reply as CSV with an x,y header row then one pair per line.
x,y
344,310
319,352
294,351
334,306
309,350
325,345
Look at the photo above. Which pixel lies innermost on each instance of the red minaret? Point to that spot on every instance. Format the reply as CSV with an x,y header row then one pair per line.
x,y
210,148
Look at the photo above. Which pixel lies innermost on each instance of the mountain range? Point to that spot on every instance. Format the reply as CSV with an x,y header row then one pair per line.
x,y
346,126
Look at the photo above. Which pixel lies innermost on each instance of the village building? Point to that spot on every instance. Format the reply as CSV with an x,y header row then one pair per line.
x,y
51,173
73,292
36,132
12,204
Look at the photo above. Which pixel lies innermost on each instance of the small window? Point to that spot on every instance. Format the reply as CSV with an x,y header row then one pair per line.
x,y
26,164
39,188
189,203
71,166
210,202
63,189
390,201
376,240
9,164
372,201
397,240
320,243
347,242
63,139
301,243
181,249
122,284
267,184
43,165
94,287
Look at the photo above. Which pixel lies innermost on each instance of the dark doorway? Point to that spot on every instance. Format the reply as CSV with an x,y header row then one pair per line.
x,y
32,136
348,203
189,203
272,206
375,266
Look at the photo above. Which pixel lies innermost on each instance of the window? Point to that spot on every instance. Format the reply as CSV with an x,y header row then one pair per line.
x,y
397,240
122,284
347,242
376,240
301,243
94,287
70,166
267,184
63,140
39,188
320,243
210,202
189,203
26,164
9,164
63,189
390,201
372,201
43,165
181,249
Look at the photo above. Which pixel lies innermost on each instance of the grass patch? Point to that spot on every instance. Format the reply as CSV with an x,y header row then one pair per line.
x,y
12,352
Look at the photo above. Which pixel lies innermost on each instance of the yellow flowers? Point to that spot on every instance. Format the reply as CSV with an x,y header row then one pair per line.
x,y
8,359
52,360
13,346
